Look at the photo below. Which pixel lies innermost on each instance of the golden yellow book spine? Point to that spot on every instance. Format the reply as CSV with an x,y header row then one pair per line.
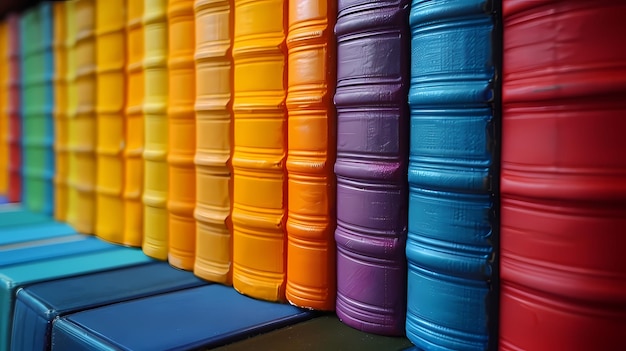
x,y
82,130
110,108
133,162
70,111
182,134
214,75
259,251
156,240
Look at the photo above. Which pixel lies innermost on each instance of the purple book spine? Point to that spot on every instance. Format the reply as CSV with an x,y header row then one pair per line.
x,y
372,122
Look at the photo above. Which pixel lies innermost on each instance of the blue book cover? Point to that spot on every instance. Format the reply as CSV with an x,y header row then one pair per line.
x,y
12,214
16,276
13,235
202,317
39,304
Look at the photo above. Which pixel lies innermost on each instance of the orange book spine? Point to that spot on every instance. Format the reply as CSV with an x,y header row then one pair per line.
x,y
110,105
259,250
155,220
214,75
133,123
182,134
60,112
4,118
82,133
311,148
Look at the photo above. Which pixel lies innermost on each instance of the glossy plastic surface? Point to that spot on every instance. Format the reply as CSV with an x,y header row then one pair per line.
x,y
259,246
372,131
110,108
82,128
214,136
563,176
450,298
134,125
155,186
60,112
312,141
182,134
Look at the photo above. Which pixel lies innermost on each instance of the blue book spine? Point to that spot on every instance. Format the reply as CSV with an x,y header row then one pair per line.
x,y
450,245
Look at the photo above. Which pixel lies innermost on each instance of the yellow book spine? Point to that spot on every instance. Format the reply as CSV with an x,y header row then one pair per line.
x,y
259,252
155,193
182,134
110,108
70,112
4,118
82,130
60,112
133,162
214,75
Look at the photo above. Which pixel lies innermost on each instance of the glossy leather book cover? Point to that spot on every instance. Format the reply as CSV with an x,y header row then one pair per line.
x,y
182,134
134,125
83,127
37,108
312,144
260,147
156,88
14,192
214,138
4,117
110,108
60,112
452,280
563,178
372,149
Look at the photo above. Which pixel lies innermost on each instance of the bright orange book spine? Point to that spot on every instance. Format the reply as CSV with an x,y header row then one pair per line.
x,y
60,112
133,162
110,106
259,255
82,133
182,134
310,158
4,118
156,240
214,75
